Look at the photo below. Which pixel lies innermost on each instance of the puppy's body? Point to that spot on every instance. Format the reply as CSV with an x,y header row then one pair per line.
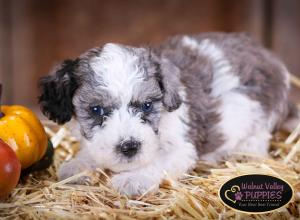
x,y
144,113
236,92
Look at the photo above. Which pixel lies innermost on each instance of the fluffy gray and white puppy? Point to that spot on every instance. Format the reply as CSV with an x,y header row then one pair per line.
x,y
144,112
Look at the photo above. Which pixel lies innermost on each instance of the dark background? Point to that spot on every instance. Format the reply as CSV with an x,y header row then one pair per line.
x,y
36,34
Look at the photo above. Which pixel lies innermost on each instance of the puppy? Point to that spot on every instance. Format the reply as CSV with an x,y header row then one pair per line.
x,y
144,112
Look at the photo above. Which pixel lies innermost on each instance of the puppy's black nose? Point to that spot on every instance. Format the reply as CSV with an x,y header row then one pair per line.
x,y
129,148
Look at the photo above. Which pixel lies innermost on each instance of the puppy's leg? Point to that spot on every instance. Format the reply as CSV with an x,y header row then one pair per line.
x,y
80,163
174,164
138,181
244,126
254,144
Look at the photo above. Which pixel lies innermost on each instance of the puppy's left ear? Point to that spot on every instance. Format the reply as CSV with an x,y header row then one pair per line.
x,y
169,80
57,91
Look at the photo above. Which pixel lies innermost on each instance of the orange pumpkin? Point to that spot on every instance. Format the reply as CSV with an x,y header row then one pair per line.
x,y
24,133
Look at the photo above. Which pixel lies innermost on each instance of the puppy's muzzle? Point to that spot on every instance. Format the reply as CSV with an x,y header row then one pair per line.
x,y
129,148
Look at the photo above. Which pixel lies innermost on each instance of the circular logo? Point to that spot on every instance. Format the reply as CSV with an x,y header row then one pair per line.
x,y
256,193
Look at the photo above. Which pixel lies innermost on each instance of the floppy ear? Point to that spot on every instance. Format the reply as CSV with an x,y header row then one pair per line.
x,y
169,80
57,91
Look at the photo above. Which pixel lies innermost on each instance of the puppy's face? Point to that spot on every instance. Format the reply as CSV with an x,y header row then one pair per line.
x,y
120,106
118,94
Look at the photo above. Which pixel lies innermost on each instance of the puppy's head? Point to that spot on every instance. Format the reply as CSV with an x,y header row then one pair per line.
x,y
118,95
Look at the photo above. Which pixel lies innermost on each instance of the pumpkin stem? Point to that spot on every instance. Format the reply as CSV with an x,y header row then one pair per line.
x,y
1,113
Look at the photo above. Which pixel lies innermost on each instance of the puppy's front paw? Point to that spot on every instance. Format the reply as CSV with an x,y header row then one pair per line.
x,y
214,158
133,184
72,168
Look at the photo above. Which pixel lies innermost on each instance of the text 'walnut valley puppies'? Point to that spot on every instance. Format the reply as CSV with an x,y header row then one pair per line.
x,y
146,112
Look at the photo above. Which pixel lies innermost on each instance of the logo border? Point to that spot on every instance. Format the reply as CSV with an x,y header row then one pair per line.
x,y
293,193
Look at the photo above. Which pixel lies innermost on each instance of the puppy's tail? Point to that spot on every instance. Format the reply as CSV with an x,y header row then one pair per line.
x,y
292,121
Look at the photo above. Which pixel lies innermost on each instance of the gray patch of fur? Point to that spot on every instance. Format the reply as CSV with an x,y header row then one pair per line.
x,y
259,70
196,76
260,73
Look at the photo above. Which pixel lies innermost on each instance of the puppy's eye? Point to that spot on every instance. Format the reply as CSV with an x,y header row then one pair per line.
x,y
97,110
147,107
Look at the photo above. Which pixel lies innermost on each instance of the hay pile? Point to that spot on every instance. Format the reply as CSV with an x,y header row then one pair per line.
x,y
41,196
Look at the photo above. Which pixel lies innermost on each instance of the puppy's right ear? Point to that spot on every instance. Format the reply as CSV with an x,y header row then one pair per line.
x,y
57,91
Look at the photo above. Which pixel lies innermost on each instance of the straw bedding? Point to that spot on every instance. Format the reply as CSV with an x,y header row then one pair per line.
x,y
41,196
